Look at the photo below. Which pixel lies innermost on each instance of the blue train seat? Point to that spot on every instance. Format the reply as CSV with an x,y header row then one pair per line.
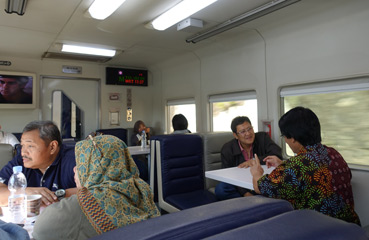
x,y
120,133
203,221
180,174
297,224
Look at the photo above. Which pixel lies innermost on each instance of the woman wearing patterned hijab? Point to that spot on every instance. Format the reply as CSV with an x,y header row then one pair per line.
x,y
110,194
317,178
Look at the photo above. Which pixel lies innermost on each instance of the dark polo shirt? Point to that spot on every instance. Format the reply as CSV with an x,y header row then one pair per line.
x,y
59,175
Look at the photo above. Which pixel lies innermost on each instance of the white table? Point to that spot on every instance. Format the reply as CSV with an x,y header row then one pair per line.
x,y
138,150
236,176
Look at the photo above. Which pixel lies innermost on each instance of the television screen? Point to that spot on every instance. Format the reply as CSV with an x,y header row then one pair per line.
x,y
17,90
124,76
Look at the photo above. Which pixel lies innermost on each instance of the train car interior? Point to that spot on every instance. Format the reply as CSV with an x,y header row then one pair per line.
x,y
255,58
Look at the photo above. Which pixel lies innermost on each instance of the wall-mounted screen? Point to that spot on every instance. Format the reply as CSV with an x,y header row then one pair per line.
x,y
124,76
17,90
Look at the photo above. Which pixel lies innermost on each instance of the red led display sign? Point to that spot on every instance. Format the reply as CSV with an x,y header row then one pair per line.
x,y
124,76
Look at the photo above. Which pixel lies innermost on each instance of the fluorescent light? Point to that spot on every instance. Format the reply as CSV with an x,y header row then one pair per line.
x,y
241,19
16,6
88,50
101,9
179,12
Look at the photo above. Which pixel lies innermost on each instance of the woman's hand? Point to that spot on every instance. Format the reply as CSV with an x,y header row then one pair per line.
x,y
272,161
147,130
257,172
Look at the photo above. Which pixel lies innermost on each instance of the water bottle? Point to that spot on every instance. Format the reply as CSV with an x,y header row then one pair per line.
x,y
143,139
17,201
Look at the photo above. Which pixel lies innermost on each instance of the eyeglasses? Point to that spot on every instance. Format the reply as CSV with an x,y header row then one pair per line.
x,y
244,131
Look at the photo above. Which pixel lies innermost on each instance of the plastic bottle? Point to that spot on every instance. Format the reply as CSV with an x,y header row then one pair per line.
x,y
143,139
17,201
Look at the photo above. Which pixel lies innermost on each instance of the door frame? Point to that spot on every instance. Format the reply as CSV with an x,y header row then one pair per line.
x,y
98,93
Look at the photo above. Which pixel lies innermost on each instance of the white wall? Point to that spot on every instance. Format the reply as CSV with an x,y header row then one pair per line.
x,y
314,41
14,120
223,67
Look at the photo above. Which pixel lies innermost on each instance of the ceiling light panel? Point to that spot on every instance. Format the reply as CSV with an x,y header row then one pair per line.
x,y
88,50
179,12
101,9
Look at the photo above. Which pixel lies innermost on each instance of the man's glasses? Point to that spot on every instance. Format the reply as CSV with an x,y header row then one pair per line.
x,y
244,131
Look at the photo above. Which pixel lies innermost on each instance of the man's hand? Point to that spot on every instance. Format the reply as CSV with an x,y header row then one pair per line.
x,y
48,197
245,164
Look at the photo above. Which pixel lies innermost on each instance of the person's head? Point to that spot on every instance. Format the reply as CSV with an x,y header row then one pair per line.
x,y
12,85
106,174
40,143
179,122
243,130
302,125
139,126
102,156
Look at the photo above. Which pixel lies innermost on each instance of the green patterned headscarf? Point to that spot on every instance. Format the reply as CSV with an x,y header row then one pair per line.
x,y
112,194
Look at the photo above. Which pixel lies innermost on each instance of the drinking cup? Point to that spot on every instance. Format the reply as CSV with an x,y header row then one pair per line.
x,y
33,205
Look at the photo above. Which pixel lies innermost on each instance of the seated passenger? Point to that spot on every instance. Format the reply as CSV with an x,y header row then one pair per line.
x,y
141,160
137,131
240,151
180,124
47,163
110,194
317,178
8,138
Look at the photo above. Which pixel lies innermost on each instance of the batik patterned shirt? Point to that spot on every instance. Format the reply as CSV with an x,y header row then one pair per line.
x,y
317,178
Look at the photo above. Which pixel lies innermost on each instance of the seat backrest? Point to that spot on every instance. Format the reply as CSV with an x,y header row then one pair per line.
x,y
120,133
305,225
6,154
213,143
18,136
203,221
179,161
69,142
129,135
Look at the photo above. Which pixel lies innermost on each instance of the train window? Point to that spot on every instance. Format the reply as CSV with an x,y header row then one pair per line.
x,y
225,107
186,107
343,110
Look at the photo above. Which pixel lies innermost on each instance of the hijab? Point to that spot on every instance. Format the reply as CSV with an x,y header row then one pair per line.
x,y
112,194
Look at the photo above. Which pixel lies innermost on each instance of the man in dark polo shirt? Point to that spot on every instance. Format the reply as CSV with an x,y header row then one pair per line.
x,y
47,163
241,149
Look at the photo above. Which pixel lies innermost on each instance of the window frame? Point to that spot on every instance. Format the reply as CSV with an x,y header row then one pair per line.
x,y
359,83
228,97
175,102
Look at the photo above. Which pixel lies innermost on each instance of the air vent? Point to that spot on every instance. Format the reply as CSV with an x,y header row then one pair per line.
x,y
76,57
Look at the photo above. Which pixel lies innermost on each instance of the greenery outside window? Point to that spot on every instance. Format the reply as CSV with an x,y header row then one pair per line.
x,y
343,111
225,107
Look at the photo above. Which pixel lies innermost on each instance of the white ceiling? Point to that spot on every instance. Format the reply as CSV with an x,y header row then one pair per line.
x,y
48,23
